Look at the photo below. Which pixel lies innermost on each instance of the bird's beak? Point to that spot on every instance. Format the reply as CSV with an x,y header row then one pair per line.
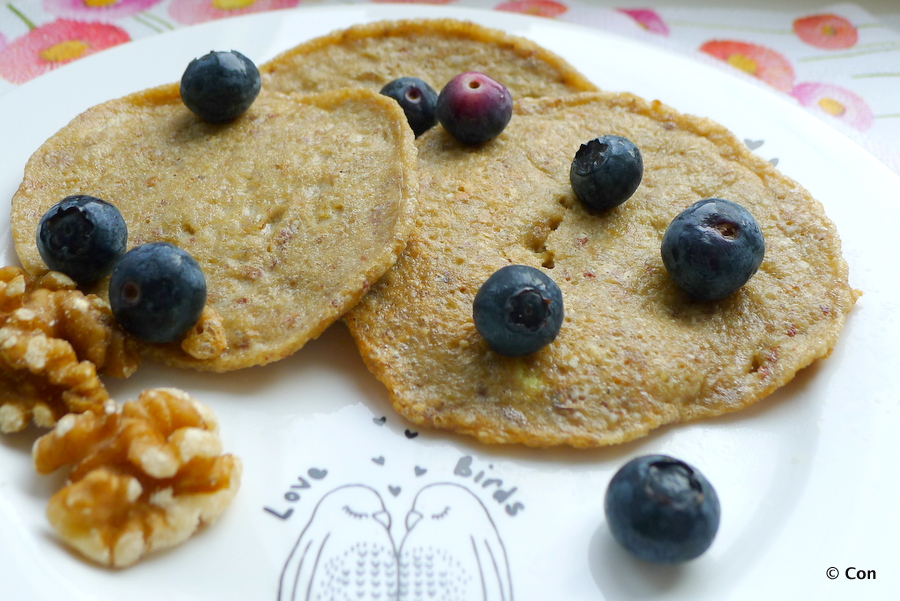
x,y
383,518
412,518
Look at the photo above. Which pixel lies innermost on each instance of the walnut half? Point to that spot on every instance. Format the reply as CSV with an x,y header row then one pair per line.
x,y
54,341
145,476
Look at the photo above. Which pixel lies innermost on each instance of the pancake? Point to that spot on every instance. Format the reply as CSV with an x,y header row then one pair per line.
x,y
634,352
292,210
434,50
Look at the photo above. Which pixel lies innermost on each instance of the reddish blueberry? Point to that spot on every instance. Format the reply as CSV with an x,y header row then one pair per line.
x,y
474,108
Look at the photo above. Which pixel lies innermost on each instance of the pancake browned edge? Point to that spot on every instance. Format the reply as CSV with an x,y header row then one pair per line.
x,y
434,50
292,210
634,353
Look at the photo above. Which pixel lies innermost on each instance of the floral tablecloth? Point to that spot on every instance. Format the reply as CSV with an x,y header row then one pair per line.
x,y
838,62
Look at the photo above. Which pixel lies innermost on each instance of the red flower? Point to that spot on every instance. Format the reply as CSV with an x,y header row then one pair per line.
x,y
759,61
538,8
54,44
826,31
648,19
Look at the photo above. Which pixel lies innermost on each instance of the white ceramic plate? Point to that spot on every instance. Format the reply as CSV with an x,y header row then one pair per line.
x,y
807,478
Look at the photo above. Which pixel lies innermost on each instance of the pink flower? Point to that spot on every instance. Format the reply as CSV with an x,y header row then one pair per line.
x,y
190,12
538,8
54,44
838,102
830,32
97,10
648,19
759,61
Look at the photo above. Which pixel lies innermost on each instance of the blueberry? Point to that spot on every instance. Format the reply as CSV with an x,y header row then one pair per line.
x,y
157,292
518,310
712,249
418,101
83,237
606,171
219,86
661,509
474,108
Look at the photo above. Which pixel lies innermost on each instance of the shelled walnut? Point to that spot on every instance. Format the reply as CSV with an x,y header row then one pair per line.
x,y
145,476
54,341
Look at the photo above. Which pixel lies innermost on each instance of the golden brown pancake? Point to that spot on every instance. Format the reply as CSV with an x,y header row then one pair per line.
x,y
292,210
434,50
634,352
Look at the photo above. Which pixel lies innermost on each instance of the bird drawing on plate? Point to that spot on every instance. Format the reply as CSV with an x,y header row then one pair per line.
x,y
345,551
451,551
